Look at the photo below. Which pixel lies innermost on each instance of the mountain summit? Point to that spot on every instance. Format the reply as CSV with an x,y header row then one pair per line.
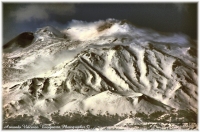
x,y
47,32
21,41
102,68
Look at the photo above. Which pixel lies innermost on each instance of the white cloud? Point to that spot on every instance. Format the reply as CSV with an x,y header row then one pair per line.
x,y
28,12
41,11
181,7
61,8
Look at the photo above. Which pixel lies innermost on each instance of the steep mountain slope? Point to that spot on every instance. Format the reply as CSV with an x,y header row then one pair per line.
x,y
120,69
21,41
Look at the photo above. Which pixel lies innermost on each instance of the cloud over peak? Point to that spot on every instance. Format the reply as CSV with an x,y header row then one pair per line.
x,y
181,7
41,11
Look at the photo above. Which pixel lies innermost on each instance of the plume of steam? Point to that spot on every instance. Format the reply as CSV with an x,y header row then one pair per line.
x,y
87,31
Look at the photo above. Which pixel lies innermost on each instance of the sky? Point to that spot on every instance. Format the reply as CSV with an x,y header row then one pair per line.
x,y
163,17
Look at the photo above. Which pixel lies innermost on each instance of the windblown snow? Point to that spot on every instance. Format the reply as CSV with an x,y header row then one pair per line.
x,y
100,67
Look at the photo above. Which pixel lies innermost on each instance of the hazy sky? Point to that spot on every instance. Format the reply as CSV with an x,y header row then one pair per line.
x,y
165,17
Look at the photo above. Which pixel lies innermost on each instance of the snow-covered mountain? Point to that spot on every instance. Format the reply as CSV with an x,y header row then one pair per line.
x,y
106,67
